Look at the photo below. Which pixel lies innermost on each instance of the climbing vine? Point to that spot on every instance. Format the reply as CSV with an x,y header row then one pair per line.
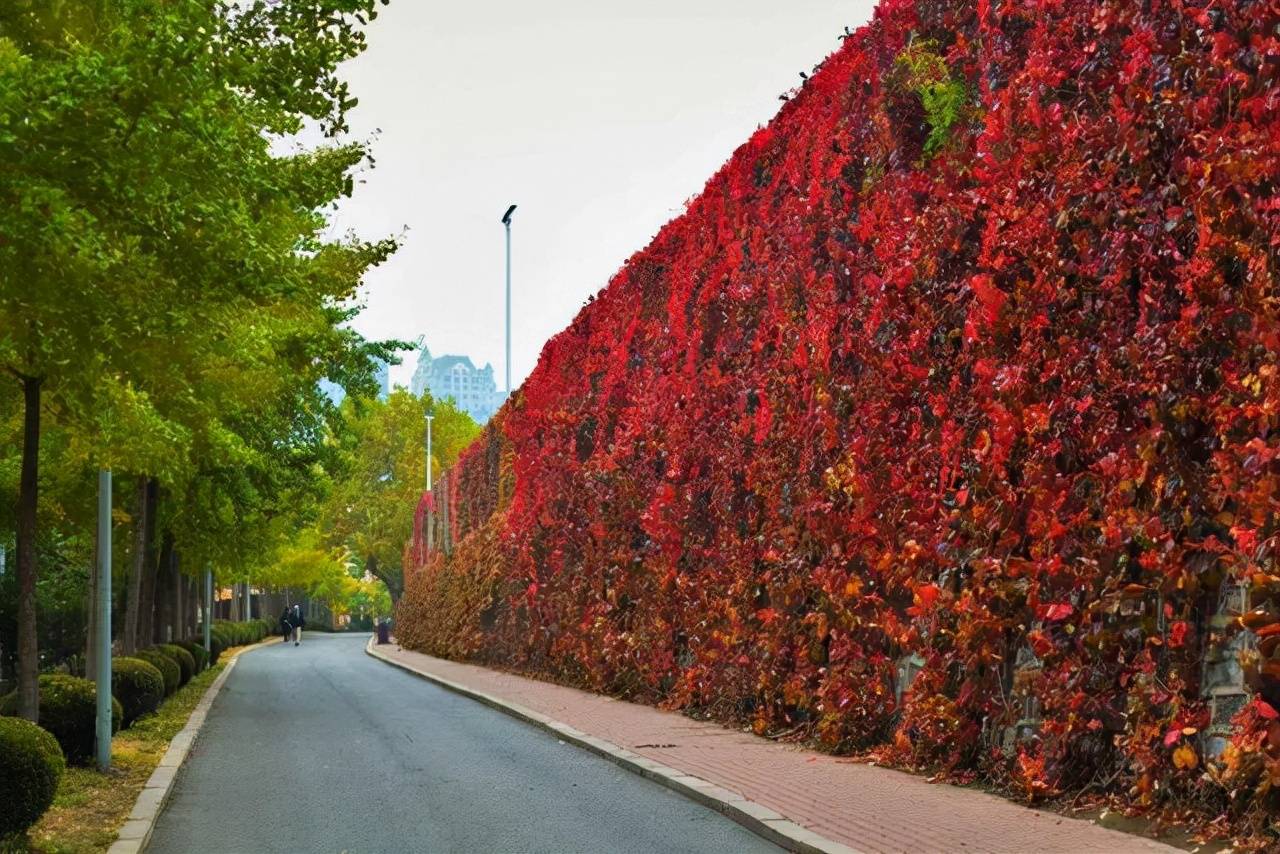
x,y
942,426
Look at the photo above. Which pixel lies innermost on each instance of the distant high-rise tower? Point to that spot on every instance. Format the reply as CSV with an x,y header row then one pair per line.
x,y
455,377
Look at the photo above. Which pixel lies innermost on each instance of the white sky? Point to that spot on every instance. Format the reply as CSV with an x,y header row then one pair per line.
x,y
600,119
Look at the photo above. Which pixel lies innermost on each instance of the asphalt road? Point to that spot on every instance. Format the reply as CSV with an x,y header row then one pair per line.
x,y
320,748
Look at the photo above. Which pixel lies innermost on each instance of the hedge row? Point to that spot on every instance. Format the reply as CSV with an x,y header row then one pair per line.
x,y
139,684
32,757
967,369
243,633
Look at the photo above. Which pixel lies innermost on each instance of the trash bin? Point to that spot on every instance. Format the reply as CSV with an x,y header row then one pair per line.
x,y
384,631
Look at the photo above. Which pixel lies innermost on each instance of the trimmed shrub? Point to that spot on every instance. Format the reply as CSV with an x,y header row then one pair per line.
x,y
68,710
230,630
185,661
217,643
138,685
198,652
31,764
168,668
224,637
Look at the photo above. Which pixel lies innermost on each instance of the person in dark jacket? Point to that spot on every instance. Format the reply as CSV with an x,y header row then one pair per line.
x,y
297,621
286,627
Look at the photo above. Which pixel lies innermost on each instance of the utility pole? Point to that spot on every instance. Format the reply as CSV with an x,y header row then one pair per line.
x,y
506,221
208,610
103,621
431,499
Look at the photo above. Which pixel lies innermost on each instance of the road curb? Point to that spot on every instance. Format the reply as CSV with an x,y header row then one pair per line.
x,y
755,817
136,831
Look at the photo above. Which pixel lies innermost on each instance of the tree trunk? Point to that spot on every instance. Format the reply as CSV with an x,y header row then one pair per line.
x,y
131,640
147,594
28,494
164,617
395,586
193,599
179,597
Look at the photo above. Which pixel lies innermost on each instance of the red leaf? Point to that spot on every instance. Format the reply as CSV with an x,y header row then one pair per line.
x,y
1059,611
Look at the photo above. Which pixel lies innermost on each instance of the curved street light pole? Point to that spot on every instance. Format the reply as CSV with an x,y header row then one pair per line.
x,y
506,221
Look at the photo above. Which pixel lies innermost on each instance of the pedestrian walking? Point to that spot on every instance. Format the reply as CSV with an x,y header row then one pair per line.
x,y
297,621
286,627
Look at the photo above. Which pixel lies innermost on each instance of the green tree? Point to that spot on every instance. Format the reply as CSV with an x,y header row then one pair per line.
x,y
383,474
159,259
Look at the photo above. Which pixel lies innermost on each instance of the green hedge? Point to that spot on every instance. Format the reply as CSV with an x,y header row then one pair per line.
x,y
31,765
198,652
168,668
244,632
138,685
220,636
185,661
69,710
234,632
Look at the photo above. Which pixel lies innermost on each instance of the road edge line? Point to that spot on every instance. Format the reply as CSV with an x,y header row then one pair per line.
x,y
759,819
135,833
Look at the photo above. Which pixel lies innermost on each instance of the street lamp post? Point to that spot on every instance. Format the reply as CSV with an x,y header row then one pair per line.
x,y
102,659
431,498
208,609
506,221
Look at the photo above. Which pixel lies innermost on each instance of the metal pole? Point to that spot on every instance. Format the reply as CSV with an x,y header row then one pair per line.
x,y
103,655
506,221
429,417
431,521
208,610
508,224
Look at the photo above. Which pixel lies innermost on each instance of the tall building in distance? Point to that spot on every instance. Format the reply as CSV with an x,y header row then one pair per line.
x,y
455,377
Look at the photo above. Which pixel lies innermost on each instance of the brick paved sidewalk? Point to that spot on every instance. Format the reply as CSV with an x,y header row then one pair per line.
x,y
867,808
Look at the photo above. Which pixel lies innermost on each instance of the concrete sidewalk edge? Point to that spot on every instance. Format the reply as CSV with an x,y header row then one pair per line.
x,y
135,833
755,817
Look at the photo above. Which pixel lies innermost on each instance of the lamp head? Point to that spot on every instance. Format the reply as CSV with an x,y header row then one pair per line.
x,y
506,217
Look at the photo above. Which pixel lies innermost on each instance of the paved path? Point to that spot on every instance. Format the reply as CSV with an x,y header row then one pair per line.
x,y
320,748
866,808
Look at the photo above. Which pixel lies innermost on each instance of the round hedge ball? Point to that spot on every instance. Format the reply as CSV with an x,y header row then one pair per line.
x,y
221,642
217,644
69,710
168,668
138,685
198,652
181,657
31,764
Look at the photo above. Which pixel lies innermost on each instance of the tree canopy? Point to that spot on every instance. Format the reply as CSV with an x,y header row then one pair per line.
x,y
169,294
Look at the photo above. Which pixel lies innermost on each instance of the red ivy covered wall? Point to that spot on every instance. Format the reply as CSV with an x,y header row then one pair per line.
x,y
970,354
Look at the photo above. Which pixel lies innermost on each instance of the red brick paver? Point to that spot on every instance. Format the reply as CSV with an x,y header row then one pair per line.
x,y
867,808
